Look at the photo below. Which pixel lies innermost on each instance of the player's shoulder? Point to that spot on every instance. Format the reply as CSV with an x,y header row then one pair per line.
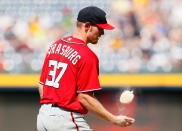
x,y
88,53
80,46
88,56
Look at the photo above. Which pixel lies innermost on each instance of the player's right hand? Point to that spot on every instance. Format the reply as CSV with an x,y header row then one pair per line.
x,y
123,121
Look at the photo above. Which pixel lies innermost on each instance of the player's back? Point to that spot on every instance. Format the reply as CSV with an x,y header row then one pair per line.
x,y
64,73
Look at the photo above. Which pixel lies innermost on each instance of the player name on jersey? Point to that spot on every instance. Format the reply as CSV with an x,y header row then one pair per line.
x,y
66,51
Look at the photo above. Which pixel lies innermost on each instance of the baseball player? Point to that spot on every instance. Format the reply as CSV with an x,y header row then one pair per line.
x,y
69,78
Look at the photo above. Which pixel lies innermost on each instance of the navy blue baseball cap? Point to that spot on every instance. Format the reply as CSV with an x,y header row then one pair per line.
x,y
95,16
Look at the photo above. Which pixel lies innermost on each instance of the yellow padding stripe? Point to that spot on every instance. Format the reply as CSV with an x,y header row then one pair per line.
x,y
29,80
19,80
142,80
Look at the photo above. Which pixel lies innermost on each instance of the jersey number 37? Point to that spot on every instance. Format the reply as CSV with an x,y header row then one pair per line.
x,y
54,82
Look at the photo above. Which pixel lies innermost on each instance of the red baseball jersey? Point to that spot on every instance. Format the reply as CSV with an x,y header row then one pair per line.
x,y
70,67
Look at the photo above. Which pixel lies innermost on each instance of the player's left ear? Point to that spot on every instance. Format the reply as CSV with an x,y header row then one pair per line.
x,y
87,26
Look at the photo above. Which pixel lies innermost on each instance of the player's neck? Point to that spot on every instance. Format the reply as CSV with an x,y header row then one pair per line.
x,y
80,36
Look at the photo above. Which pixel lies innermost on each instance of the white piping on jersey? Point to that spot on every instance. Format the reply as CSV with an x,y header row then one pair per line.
x,y
72,42
88,90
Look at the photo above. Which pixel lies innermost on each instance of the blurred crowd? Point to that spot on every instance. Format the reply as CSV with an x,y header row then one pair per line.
x,y
147,38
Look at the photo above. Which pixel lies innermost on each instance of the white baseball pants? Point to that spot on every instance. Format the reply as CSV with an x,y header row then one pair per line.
x,y
57,119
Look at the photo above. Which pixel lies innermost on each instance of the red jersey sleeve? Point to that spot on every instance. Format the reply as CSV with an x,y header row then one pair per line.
x,y
88,76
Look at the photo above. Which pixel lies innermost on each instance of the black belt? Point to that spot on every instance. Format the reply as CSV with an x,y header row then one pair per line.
x,y
55,105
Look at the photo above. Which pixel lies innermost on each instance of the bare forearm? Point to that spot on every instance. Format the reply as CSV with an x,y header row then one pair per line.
x,y
94,106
